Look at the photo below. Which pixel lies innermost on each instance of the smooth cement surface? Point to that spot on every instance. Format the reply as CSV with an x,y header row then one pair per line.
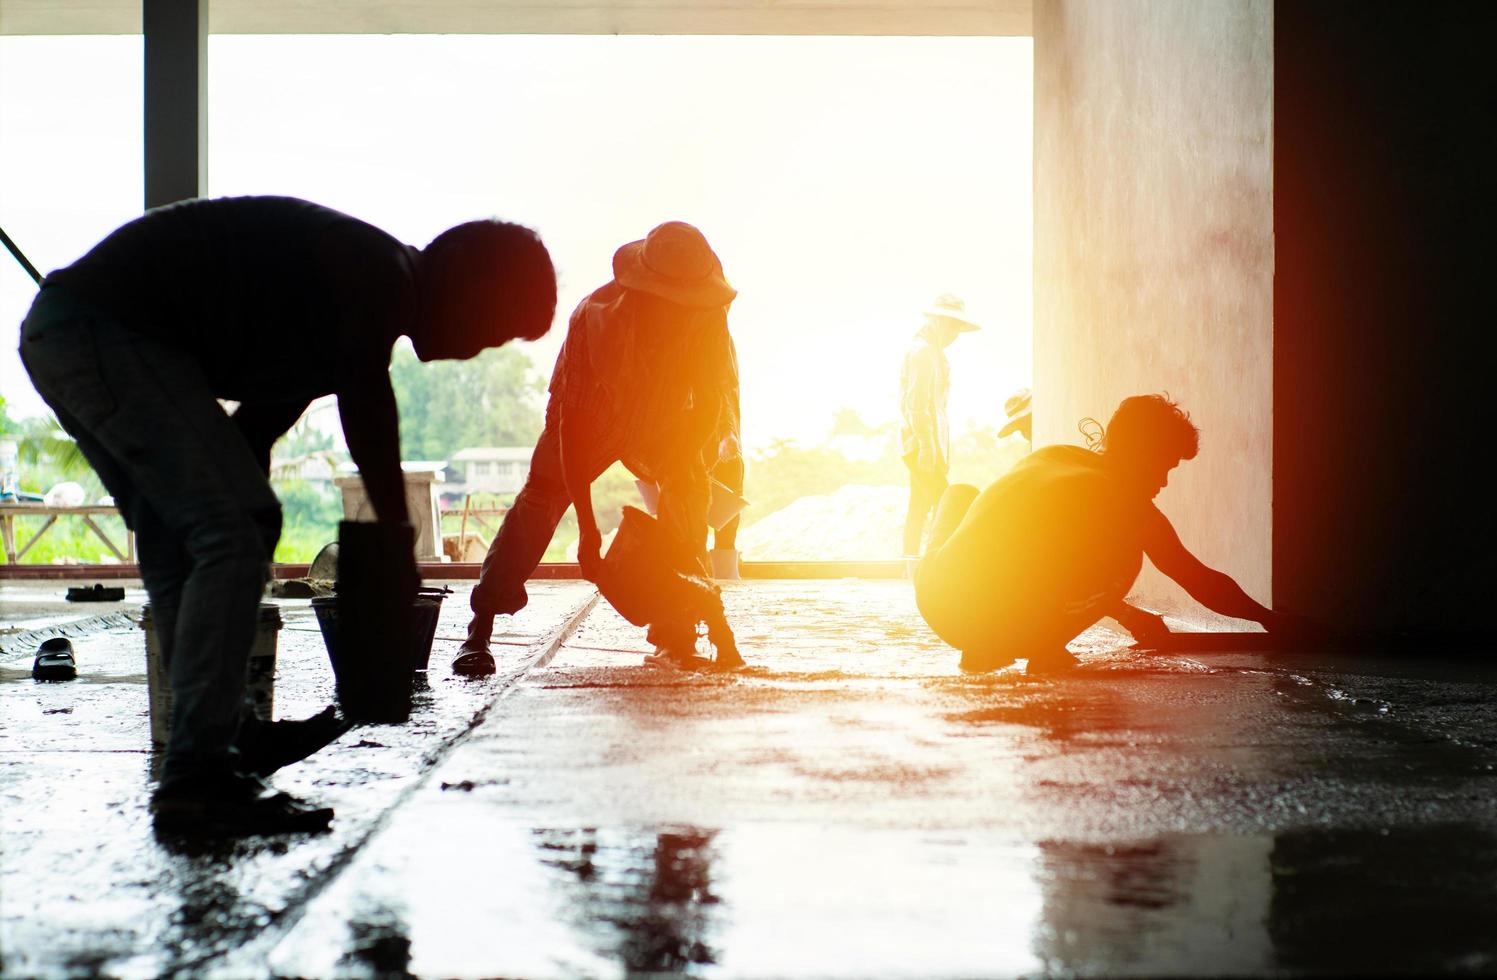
x,y
848,806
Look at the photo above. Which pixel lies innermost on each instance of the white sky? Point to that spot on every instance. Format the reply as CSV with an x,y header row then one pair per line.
x,y
844,181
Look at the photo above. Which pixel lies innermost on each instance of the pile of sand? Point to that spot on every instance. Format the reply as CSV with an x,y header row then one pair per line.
x,y
853,523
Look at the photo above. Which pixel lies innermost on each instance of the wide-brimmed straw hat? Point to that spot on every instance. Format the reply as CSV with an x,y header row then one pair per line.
x,y
949,307
674,262
1020,414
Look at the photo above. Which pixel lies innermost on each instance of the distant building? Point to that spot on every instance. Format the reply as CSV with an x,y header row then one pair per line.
x,y
489,469
319,467
325,467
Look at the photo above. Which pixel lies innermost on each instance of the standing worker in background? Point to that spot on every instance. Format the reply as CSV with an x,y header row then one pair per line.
x,y
647,376
924,432
270,302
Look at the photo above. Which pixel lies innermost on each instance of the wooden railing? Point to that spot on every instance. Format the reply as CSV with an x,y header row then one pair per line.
x,y
9,511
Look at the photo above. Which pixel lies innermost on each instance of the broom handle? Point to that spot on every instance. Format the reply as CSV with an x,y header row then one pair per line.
x,y
20,257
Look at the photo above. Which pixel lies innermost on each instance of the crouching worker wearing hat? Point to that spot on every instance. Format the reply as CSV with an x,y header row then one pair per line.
x,y
646,376
1022,568
270,302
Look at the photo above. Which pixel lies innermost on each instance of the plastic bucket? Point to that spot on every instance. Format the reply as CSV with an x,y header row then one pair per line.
x,y
352,675
259,672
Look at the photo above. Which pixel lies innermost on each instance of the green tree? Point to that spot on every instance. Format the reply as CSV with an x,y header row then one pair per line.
x,y
47,454
310,510
494,399
310,513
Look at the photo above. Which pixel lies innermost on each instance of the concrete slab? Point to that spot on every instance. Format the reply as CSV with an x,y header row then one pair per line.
x,y
850,806
84,886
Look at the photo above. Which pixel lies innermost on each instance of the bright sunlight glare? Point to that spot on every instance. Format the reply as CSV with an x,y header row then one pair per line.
x,y
844,181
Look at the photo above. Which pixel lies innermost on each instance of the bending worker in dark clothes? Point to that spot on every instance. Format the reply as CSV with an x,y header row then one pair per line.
x,y
1022,568
270,302
647,376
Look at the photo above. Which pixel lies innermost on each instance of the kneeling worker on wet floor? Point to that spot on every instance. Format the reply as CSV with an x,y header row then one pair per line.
x,y
1023,567
269,302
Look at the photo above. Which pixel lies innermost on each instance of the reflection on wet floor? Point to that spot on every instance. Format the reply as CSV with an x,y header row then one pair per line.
x,y
378,943
803,901
850,806
645,902
1385,900
86,887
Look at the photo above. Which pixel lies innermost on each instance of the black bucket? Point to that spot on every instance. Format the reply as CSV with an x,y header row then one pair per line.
x,y
648,577
426,609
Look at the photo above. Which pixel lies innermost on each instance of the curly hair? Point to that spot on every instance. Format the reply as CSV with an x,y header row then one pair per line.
x,y
1151,425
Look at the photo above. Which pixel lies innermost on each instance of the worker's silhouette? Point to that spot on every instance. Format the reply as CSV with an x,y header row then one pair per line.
x,y
269,302
1021,568
647,376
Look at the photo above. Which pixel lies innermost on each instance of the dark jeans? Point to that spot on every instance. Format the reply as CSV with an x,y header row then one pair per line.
x,y
530,524
926,487
205,519
526,531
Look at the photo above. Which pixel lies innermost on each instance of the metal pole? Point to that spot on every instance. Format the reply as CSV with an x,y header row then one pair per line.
x,y
20,257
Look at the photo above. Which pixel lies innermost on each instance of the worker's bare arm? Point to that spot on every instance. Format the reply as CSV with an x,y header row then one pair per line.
x,y
1215,590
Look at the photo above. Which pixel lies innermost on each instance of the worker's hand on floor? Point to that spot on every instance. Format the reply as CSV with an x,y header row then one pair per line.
x,y
589,557
1148,629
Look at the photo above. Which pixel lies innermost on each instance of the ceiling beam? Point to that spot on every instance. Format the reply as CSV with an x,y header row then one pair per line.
x,y
796,17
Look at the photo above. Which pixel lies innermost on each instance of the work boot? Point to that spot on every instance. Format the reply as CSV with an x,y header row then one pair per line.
x,y
678,658
720,635
265,746
232,804
473,657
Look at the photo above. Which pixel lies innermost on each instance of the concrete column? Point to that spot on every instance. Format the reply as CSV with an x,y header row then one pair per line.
x,y
1154,252
176,99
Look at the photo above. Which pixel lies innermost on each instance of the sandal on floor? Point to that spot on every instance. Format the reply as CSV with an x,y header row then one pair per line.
x,y
473,663
54,660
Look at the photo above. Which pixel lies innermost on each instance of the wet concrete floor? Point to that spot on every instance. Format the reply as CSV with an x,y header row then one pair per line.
x,y
849,805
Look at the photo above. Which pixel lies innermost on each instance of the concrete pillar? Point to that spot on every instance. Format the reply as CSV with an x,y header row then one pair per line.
x,y
176,99
1154,251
